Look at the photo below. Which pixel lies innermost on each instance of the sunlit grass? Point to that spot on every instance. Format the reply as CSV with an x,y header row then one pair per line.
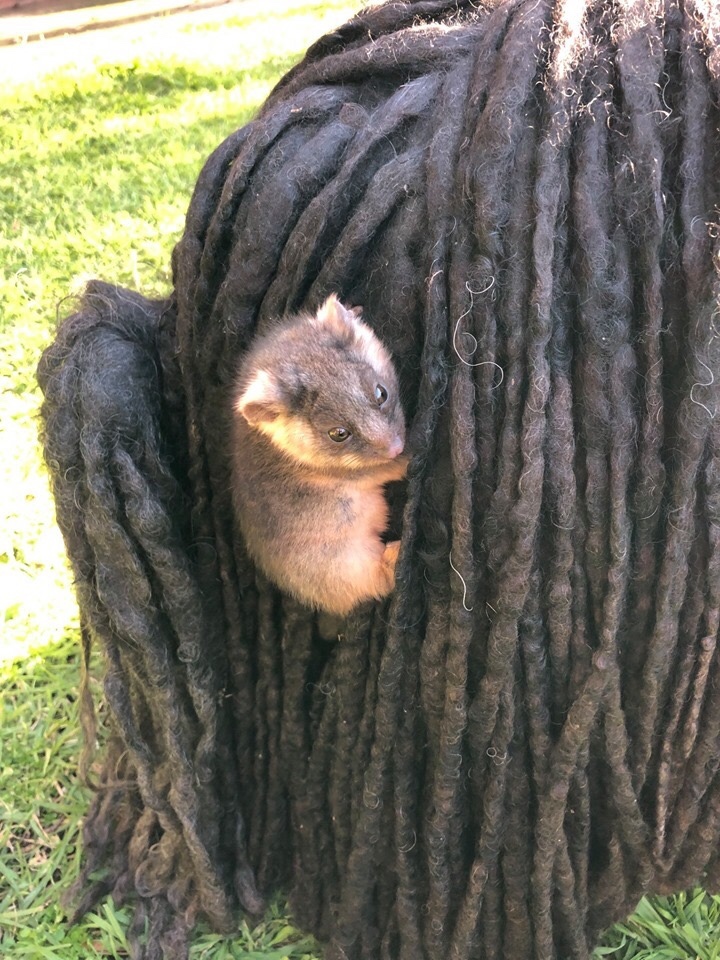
x,y
683,927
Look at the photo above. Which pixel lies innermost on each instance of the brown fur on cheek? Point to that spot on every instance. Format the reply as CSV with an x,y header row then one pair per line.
x,y
294,437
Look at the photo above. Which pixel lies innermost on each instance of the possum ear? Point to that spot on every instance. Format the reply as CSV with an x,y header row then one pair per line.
x,y
347,325
260,400
335,317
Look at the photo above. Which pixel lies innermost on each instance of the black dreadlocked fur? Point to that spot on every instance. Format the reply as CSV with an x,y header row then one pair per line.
x,y
497,763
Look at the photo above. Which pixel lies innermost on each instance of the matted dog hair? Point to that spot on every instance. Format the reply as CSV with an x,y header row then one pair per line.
x,y
497,763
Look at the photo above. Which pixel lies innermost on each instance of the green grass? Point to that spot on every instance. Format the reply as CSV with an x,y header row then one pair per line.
x,y
683,927
97,164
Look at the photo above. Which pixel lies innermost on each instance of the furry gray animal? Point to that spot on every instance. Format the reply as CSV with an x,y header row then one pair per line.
x,y
318,432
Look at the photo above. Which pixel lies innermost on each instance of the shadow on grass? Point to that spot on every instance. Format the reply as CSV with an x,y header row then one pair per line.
x,y
120,166
126,154
135,90
41,805
41,801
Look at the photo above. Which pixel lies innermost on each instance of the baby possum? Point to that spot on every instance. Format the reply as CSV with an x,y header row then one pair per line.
x,y
317,431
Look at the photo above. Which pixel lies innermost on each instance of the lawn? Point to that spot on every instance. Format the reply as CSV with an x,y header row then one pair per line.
x,y
97,163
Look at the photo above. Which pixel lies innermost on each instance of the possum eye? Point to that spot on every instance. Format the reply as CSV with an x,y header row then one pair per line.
x,y
380,394
339,434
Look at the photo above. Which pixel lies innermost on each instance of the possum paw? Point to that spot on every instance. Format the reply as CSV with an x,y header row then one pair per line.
x,y
389,560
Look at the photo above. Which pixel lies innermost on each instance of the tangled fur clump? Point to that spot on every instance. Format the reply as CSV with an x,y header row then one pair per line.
x,y
524,198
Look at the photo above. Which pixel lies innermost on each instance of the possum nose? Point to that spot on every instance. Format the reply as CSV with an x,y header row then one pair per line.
x,y
396,447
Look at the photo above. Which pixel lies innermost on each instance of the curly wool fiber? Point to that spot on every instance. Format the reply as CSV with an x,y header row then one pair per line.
x,y
502,759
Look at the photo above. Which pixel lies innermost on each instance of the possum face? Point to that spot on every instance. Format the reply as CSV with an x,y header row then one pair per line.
x,y
324,390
